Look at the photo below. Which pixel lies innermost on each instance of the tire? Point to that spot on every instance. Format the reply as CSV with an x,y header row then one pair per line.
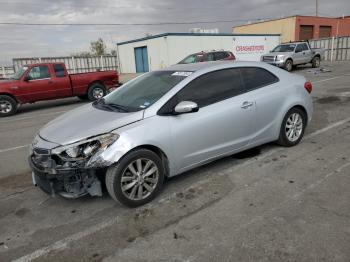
x,y
288,127
288,65
96,91
316,61
8,106
127,192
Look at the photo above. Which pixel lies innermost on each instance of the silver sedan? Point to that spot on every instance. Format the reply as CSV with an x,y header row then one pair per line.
x,y
166,122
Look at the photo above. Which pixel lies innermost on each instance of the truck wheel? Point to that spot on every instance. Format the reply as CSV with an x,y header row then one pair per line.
x,y
316,62
8,105
136,179
96,91
288,65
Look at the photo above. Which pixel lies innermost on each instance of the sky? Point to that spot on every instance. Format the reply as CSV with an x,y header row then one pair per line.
x,y
31,41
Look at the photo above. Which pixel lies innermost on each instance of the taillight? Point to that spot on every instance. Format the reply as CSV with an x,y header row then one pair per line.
x,y
308,87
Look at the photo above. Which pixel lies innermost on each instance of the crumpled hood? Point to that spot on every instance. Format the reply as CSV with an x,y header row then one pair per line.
x,y
85,121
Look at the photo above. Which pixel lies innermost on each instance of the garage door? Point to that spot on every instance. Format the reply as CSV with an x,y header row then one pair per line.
x,y
306,32
325,31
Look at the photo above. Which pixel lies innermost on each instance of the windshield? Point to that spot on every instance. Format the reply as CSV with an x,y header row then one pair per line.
x,y
20,72
284,48
192,59
144,91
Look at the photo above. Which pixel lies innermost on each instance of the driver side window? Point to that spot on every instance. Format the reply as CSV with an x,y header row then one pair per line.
x,y
39,72
298,49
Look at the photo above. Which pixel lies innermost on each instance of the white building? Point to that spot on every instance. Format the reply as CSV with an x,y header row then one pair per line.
x,y
159,51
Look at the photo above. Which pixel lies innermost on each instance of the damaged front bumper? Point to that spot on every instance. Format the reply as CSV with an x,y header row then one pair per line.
x,y
68,179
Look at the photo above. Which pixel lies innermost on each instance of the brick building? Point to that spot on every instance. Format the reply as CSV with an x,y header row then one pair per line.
x,y
296,28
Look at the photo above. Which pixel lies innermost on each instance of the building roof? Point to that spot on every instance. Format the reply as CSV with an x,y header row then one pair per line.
x,y
190,34
287,17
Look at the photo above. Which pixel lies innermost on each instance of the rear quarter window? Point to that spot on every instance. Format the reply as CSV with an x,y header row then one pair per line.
x,y
256,77
59,70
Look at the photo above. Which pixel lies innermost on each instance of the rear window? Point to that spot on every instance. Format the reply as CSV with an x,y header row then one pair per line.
x,y
195,58
59,70
255,77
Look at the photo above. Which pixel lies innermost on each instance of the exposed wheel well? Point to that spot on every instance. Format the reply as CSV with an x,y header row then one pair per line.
x,y
96,82
318,55
160,153
6,94
302,109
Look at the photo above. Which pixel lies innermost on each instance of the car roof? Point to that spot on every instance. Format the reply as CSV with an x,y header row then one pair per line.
x,y
212,64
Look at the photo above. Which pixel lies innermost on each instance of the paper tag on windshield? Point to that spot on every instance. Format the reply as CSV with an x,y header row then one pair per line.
x,y
182,74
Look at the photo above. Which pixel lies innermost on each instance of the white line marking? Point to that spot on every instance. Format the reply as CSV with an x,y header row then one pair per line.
x,y
12,148
325,129
328,79
61,244
31,117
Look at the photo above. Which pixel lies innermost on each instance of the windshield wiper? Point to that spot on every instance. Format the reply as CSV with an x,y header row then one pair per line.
x,y
119,107
110,106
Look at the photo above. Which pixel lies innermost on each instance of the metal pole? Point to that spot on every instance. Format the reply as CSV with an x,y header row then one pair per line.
x,y
74,65
316,7
332,47
102,63
3,72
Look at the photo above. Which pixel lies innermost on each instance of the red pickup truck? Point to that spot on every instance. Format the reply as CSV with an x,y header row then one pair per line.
x,y
46,81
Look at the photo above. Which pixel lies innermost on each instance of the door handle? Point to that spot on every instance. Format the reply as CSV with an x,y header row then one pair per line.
x,y
247,104
50,82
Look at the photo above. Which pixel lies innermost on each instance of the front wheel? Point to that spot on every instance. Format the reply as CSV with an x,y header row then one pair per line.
x,y
96,91
316,61
288,65
293,127
8,105
136,179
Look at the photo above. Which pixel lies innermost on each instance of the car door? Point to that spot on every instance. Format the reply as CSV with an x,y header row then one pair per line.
x,y
37,84
264,87
306,53
61,81
298,56
223,124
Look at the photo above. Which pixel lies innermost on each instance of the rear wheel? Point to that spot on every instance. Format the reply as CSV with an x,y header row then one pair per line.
x,y
136,179
96,91
316,61
293,127
288,65
8,105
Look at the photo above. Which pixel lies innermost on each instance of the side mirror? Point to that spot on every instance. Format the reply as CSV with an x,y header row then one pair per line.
x,y
185,107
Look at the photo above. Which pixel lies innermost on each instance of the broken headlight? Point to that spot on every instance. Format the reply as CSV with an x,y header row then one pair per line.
x,y
85,148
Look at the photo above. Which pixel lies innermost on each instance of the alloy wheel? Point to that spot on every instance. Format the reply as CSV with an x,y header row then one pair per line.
x,y
139,179
294,127
97,93
5,106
